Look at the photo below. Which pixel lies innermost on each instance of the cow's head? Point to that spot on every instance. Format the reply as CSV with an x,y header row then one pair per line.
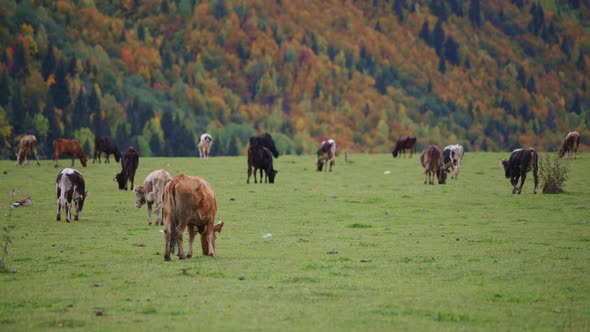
x,y
271,175
320,164
394,152
441,175
140,196
84,159
121,180
117,155
504,162
81,200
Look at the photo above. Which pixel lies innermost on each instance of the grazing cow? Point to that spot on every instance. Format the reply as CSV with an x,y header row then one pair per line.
x,y
151,192
521,161
69,187
189,202
129,163
69,147
266,141
28,145
326,153
432,161
403,144
205,146
260,158
107,145
453,156
570,145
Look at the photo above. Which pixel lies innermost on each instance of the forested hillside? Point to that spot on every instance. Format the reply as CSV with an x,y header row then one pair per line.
x,y
491,75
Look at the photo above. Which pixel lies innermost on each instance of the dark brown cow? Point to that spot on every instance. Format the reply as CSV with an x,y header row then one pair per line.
x,y
326,153
521,161
28,145
70,147
570,145
432,161
107,145
189,202
403,144
129,163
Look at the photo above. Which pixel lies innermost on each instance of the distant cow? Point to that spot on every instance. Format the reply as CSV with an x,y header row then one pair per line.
x,y
129,163
521,161
432,161
151,192
205,146
403,144
260,158
570,145
107,145
69,187
189,202
265,141
28,145
453,156
326,153
70,147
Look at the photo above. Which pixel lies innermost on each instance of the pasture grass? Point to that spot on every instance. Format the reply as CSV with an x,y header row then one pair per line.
x,y
354,249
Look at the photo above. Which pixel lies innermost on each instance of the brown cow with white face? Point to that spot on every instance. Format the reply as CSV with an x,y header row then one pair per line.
x,y
432,161
152,192
28,145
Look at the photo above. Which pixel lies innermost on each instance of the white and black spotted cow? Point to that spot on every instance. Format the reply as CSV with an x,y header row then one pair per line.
x,y
69,187
453,156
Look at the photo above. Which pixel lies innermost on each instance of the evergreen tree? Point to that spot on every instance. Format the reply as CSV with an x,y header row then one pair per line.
x,y
164,7
577,104
550,118
442,66
581,63
59,89
80,111
438,37
521,76
20,68
93,102
17,111
475,13
54,130
4,89
48,64
452,51
425,33
530,86
398,10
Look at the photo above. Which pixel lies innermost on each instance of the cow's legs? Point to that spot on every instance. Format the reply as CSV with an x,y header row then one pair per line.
x,y
55,157
73,160
167,235
211,240
36,157
191,239
58,216
179,232
149,208
514,182
249,173
523,176
68,209
77,211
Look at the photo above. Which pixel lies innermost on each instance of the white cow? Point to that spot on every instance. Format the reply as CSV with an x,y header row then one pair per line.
x,y
205,146
453,156
151,192
69,187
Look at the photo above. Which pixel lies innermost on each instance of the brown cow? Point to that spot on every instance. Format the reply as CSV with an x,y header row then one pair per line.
x,y
570,145
70,147
28,145
432,161
189,201
403,144
151,192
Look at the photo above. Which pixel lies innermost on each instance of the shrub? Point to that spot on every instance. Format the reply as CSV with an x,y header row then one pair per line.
x,y
553,172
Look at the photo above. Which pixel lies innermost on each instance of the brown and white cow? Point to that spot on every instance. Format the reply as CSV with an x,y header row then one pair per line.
x,y
189,202
570,145
521,161
453,157
432,161
151,192
205,146
70,186
403,144
326,153
28,145
70,147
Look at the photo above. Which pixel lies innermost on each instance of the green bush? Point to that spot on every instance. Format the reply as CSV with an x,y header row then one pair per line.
x,y
553,172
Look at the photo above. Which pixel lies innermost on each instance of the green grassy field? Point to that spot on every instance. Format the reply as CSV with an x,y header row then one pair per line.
x,y
355,249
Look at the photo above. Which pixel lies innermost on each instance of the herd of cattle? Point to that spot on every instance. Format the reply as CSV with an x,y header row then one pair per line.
x,y
188,202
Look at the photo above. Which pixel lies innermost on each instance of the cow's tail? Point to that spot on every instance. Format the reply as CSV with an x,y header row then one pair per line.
x,y
577,143
535,161
169,202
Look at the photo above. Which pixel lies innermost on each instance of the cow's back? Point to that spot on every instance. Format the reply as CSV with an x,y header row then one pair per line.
x,y
193,199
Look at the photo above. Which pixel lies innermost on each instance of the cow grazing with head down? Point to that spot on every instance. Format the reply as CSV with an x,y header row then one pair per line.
x,y
326,153
570,145
403,144
70,187
260,158
70,147
521,161
107,145
205,146
266,141
432,161
152,192
129,163
28,145
453,156
189,202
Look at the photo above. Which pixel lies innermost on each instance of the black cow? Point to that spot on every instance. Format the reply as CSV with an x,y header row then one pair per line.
x,y
266,141
403,144
70,186
521,161
107,145
260,158
129,163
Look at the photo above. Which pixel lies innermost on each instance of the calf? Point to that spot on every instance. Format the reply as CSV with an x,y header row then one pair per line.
x,y
28,145
69,147
403,144
453,156
432,161
521,161
570,145
69,187
205,146
326,153
260,158
129,163
107,145
151,192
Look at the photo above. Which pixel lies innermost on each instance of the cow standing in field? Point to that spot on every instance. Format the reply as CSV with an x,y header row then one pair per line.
x,y
521,161
205,146
69,187
453,156
432,161
70,147
264,141
107,145
28,145
570,145
403,144
189,202
152,192
129,163
260,158
326,153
